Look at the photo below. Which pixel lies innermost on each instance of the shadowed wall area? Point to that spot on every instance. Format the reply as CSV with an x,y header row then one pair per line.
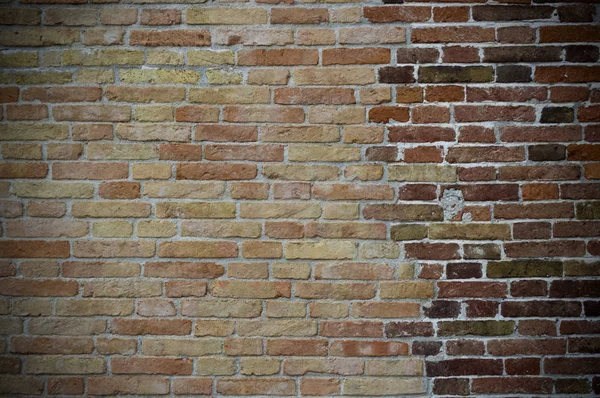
x,y
299,198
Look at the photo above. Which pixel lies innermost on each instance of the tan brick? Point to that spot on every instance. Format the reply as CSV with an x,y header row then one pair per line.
x,y
221,229
422,173
259,366
175,347
326,250
147,171
33,132
221,308
94,307
102,57
46,228
406,290
291,270
65,365
198,249
333,76
195,210
156,229
383,386
231,95
280,210
247,289
276,328
110,209
113,248
112,229
51,189
470,231
226,16
107,151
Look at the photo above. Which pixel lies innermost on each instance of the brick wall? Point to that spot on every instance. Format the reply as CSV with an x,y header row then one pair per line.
x,y
269,198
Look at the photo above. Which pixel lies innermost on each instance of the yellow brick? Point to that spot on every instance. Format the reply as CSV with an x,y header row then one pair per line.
x,y
158,76
93,75
231,95
164,57
223,76
112,229
323,153
156,229
210,57
102,57
418,289
52,189
422,173
34,132
35,77
154,113
18,59
226,16
64,364
364,172
36,37
394,367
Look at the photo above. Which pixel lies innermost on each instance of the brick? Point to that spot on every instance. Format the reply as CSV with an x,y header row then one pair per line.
x,y
371,35
256,386
150,365
397,14
336,366
208,171
198,249
155,38
281,57
65,365
128,385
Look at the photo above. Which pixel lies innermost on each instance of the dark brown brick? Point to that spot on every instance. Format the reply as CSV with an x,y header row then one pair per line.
x,y
442,309
538,308
557,114
511,13
513,74
549,152
396,74
407,329
455,74
464,367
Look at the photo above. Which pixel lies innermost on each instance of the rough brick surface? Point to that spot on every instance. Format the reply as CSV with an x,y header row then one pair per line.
x,y
299,198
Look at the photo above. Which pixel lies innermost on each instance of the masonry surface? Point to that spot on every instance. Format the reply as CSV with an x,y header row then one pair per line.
x,y
279,198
